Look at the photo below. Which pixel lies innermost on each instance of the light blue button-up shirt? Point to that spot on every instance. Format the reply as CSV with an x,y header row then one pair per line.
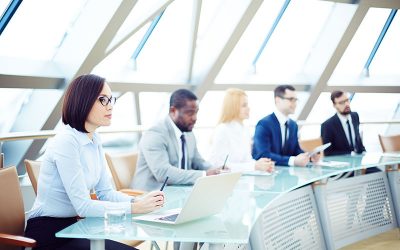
x,y
71,167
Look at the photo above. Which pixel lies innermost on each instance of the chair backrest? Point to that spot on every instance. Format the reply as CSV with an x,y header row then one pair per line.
x,y
33,169
12,215
122,167
390,143
309,145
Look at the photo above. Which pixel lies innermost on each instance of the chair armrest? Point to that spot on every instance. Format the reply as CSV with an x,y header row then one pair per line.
x,y
15,240
132,192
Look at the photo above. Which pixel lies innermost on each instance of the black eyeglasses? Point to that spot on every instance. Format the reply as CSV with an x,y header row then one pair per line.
x,y
105,100
290,99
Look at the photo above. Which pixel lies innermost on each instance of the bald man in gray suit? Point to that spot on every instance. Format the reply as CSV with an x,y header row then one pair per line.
x,y
169,148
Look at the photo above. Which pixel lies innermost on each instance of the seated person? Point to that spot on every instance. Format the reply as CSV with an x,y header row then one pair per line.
x,y
73,165
169,147
232,138
276,134
342,129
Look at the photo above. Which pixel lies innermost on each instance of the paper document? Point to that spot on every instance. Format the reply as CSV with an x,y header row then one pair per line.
x,y
331,164
320,149
391,154
258,173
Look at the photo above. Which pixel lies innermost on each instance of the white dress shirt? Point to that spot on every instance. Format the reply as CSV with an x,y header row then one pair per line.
x,y
282,119
178,134
343,119
232,138
71,167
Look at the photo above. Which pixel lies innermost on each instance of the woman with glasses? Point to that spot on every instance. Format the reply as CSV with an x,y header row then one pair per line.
x,y
231,141
73,165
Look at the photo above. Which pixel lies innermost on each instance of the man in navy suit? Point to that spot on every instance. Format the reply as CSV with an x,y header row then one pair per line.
x,y
276,135
342,129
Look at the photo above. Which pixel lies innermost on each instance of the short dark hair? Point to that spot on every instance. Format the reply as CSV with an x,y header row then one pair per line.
x,y
281,89
179,97
336,94
79,99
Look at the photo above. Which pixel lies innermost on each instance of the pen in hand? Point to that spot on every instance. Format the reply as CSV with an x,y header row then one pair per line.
x,y
163,185
226,158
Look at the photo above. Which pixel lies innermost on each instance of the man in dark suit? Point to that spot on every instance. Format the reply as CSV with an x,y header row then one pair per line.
x,y
342,129
276,135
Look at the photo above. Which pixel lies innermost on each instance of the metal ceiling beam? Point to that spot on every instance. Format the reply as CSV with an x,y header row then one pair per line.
x,y
146,87
193,37
257,87
207,81
156,11
333,58
390,4
364,89
31,82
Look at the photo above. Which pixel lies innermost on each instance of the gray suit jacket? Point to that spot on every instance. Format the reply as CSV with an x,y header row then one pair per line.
x,y
158,158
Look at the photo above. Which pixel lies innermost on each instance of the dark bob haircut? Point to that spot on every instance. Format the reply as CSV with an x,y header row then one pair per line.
x,y
179,97
281,89
79,99
336,94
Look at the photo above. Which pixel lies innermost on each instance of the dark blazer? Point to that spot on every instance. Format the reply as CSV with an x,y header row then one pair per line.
x,y
268,141
332,131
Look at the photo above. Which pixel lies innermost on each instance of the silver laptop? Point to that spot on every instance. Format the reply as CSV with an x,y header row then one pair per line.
x,y
208,197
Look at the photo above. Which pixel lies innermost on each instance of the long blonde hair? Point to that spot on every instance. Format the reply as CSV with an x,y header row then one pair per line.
x,y
231,105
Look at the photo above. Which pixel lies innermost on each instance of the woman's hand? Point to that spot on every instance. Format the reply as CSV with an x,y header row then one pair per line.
x,y
265,164
148,203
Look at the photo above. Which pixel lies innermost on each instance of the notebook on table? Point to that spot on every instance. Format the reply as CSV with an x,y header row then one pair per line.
x,y
208,197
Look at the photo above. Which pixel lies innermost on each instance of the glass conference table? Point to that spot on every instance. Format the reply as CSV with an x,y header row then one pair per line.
x,y
252,194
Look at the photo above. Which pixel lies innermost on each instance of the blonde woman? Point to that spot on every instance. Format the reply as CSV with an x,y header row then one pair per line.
x,y
232,137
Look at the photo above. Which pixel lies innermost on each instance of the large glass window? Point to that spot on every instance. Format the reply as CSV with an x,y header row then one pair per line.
x,y
350,66
153,106
164,57
288,48
321,111
374,107
123,118
3,6
38,28
11,101
386,61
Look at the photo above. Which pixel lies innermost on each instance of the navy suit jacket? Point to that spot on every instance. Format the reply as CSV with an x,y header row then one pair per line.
x,y
268,141
332,131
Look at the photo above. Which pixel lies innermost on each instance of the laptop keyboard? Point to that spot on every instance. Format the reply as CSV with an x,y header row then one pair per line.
x,y
171,217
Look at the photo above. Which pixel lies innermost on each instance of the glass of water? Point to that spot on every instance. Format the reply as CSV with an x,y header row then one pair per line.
x,y
114,219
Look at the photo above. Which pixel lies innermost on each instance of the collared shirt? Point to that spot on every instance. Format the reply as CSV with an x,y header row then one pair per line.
x,y
71,167
178,133
343,119
282,119
233,139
